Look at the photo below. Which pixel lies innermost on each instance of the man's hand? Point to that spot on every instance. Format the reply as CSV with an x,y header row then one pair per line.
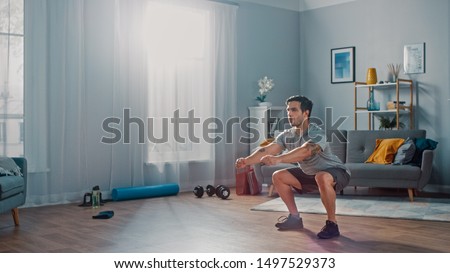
x,y
270,160
240,163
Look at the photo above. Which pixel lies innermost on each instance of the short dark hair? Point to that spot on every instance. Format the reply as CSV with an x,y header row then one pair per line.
x,y
305,103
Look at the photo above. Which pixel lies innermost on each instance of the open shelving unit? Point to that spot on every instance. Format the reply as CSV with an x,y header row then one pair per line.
x,y
385,87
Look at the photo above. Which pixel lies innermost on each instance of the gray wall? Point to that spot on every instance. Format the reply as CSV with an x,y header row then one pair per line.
x,y
379,30
294,49
268,45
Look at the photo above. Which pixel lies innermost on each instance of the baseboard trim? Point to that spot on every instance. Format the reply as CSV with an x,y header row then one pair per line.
x,y
435,188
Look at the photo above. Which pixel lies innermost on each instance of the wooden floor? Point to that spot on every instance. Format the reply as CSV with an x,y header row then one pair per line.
x,y
186,224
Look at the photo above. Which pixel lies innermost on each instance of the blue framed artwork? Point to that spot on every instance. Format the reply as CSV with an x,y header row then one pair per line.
x,y
343,64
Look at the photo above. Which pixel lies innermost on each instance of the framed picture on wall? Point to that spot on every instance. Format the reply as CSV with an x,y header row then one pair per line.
x,y
414,58
343,64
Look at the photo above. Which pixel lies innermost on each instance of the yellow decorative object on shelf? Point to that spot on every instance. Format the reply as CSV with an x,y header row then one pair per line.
x,y
371,77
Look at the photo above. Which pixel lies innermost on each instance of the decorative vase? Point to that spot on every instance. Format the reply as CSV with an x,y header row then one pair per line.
x,y
372,104
265,103
371,77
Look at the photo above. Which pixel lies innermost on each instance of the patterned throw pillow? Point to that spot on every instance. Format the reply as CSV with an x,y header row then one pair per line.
x,y
9,167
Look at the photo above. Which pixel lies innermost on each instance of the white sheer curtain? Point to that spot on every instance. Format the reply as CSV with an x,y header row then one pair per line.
x,y
87,61
129,91
191,68
181,82
55,107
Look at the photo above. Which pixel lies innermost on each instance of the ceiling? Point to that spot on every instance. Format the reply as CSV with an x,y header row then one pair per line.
x,y
298,5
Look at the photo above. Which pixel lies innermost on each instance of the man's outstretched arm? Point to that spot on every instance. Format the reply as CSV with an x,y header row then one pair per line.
x,y
255,158
299,154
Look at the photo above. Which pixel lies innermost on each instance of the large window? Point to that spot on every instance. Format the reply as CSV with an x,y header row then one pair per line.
x,y
181,92
11,77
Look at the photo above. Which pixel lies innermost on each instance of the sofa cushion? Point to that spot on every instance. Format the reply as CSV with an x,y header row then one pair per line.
x,y
11,185
385,150
380,172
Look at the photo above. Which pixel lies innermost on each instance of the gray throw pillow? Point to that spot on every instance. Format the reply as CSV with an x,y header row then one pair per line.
x,y
405,152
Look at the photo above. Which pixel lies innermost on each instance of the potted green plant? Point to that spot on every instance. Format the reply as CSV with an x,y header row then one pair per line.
x,y
388,124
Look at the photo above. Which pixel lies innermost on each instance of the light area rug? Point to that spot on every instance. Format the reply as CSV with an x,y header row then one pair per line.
x,y
431,209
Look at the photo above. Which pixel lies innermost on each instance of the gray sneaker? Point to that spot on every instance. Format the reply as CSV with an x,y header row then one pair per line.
x,y
289,223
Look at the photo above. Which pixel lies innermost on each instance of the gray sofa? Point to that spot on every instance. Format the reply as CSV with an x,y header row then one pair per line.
x,y
13,190
354,148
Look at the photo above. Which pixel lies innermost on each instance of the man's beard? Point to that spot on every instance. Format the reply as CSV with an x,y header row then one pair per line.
x,y
296,123
293,123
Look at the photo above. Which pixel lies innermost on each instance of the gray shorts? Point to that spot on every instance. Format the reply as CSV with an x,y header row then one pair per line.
x,y
308,182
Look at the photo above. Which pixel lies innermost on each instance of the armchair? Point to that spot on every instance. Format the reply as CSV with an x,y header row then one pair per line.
x,y
13,190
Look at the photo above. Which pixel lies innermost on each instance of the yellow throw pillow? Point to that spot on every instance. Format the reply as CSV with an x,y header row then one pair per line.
x,y
385,150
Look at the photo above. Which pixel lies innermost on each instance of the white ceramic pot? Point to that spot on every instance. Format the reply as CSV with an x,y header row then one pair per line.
x,y
266,103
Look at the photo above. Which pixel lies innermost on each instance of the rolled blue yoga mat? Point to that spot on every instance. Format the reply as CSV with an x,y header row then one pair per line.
x,y
129,193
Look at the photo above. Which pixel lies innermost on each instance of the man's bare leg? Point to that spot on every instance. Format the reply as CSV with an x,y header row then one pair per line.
x,y
326,184
283,181
327,194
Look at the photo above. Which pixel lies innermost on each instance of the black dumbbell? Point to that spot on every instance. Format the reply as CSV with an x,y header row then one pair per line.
x,y
221,191
199,191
